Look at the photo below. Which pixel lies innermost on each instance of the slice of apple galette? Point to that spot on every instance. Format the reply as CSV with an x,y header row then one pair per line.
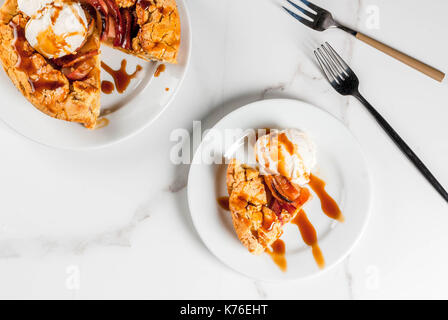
x,y
258,215
148,29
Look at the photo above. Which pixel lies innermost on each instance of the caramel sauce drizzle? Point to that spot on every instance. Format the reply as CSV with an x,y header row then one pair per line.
x,y
309,236
121,78
55,15
26,65
290,148
51,43
278,254
328,204
307,230
160,69
78,17
284,141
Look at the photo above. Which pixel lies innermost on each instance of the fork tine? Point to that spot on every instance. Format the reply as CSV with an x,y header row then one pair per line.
x,y
306,22
337,67
303,10
323,66
338,58
330,64
312,5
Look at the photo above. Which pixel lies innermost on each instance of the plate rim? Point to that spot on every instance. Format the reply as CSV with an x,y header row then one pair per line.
x,y
138,130
347,252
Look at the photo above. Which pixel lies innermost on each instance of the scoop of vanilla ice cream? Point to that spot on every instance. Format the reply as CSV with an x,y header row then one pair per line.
x,y
56,28
32,7
289,153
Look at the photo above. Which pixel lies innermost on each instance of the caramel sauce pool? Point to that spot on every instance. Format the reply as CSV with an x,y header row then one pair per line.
x,y
161,68
329,206
278,254
121,78
309,236
224,203
107,87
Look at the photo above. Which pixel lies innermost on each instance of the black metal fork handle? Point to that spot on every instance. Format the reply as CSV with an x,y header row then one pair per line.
x,y
403,146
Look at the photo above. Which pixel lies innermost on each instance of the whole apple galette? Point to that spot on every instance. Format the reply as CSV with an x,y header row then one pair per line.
x,y
50,49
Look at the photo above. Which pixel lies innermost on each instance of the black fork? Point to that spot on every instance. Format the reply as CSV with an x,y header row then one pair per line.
x,y
345,81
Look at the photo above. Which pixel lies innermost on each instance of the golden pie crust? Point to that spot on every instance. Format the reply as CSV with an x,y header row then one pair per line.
x,y
77,101
160,30
255,224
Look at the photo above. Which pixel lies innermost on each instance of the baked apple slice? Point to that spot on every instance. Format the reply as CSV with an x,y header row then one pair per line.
x,y
148,29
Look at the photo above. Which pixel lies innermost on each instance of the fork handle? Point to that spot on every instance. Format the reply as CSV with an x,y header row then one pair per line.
x,y
413,63
403,147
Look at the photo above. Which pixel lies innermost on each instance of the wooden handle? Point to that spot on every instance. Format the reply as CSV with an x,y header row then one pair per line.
x,y
413,63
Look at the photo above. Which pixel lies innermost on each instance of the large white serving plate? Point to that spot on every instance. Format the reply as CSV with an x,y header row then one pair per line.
x,y
144,100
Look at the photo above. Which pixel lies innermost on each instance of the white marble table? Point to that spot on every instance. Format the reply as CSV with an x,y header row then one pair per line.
x,y
114,223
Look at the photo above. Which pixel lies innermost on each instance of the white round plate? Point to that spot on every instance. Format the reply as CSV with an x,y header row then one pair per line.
x,y
340,163
143,101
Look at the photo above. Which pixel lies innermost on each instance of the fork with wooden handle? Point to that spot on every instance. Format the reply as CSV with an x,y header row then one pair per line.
x,y
322,20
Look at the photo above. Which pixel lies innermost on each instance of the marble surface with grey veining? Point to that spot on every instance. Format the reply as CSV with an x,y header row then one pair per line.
x,y
114,222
